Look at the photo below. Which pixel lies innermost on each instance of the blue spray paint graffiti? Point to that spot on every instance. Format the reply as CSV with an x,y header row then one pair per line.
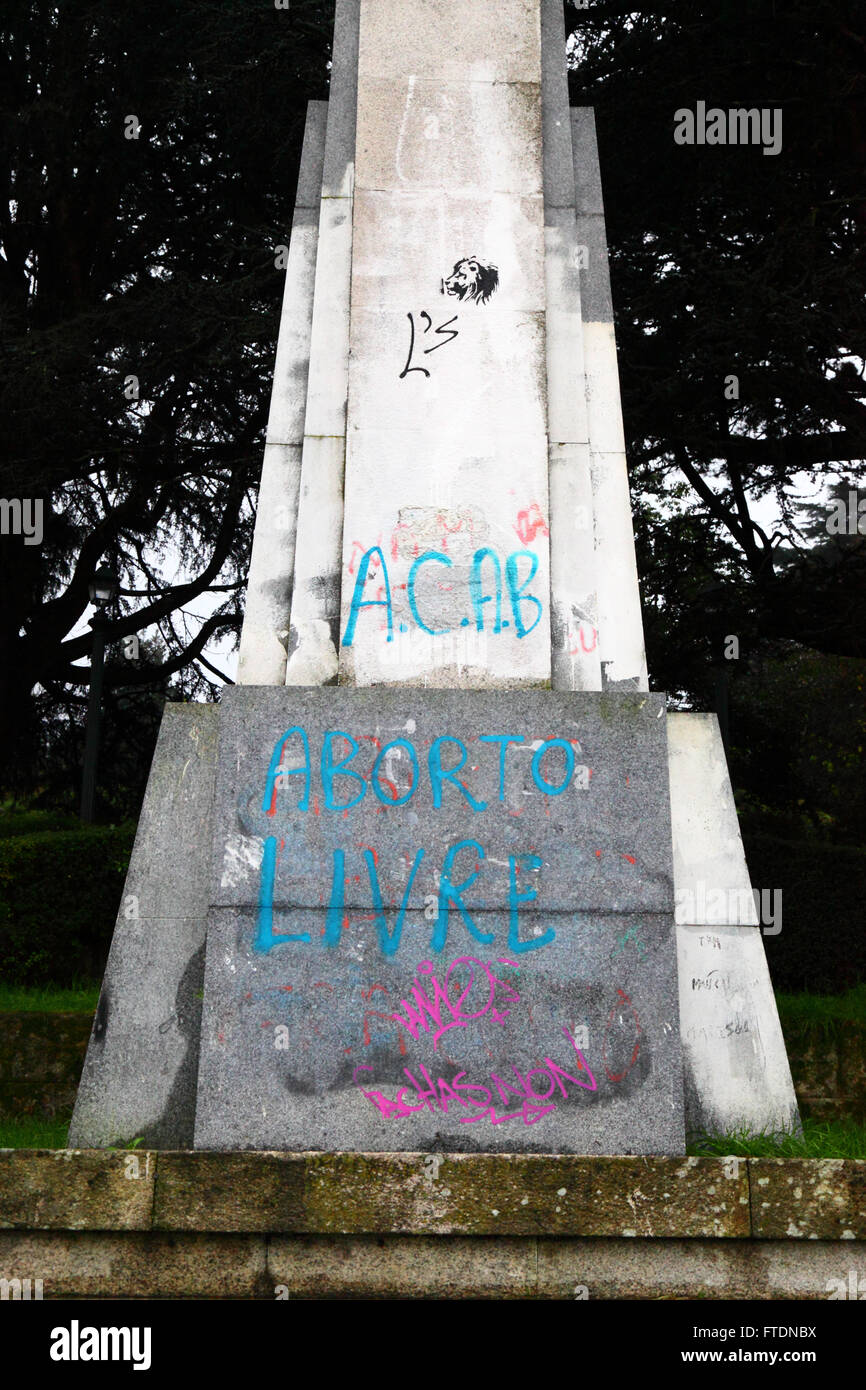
x,y
341,787
523,604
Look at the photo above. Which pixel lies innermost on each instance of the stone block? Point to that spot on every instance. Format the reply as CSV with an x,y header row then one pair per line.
x,y
414,133
265,636
594,1270
525,1194
338,175
328,903
736,1067
808,1198
712,880
487,41
49,1189
558,155
137,1265
463,411
327,380
139,1076
587,173
404,1268
407,243
229,1192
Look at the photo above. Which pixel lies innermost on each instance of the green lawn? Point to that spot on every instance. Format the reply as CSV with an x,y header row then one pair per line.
x,y
33,1133
833,1139
77,998
819,1013
820,1139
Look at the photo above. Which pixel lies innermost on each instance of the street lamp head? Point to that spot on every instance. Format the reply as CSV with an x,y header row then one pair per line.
x,y
103,586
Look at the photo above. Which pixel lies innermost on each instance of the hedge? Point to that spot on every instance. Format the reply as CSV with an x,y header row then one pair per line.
x,y
59,895
822,945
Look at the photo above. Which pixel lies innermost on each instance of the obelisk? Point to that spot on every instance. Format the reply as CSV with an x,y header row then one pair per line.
x,y
432,839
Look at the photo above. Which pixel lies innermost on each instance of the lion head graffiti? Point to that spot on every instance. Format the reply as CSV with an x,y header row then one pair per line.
x,y
472,278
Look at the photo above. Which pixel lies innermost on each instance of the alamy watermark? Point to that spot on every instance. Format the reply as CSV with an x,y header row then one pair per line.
x,y
21,1290
852,1288
22,516
847,516
738,125
745,907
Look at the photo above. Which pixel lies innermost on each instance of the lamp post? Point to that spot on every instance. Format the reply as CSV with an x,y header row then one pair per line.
x,y
715,597
103,586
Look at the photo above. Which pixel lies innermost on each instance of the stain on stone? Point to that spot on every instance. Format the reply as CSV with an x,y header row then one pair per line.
x,y
175,1127
100,1022
325,590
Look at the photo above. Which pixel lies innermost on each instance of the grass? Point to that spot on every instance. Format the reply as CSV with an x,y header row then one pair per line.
x,y
818,1015
80,997
17,822
820,1139
34,1132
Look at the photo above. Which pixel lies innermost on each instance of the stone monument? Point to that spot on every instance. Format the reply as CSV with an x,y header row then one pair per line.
x,y
411,885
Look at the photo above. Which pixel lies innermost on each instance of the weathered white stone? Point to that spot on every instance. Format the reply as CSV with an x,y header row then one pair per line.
x,y
413,133
315,597
406,244
566,391
573,598
329,347
463,399
289,391
481,41
312,650
575,661
621,642
262,657
735,1063
708,851
449,166
444,505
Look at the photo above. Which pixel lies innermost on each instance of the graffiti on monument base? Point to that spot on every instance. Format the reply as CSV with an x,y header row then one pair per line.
x,y
391,776
506,1092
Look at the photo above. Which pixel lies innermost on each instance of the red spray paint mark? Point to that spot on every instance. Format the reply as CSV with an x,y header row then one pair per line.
x,y
368,993
618,1008
373,1013
529,522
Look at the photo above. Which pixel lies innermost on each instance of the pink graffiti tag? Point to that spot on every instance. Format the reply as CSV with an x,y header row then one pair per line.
x,y
424,1011
440,1093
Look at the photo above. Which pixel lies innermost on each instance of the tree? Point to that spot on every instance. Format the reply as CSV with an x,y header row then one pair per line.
x,y
150,156
739,282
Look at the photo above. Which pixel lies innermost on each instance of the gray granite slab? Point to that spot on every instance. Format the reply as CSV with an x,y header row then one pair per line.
x,y
428,770
139,1077
548,966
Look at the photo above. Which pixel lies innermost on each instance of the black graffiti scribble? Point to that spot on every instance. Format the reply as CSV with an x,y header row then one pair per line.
x,y
444,331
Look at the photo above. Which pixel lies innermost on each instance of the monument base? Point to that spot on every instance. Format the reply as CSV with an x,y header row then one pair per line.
x,y
553,937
